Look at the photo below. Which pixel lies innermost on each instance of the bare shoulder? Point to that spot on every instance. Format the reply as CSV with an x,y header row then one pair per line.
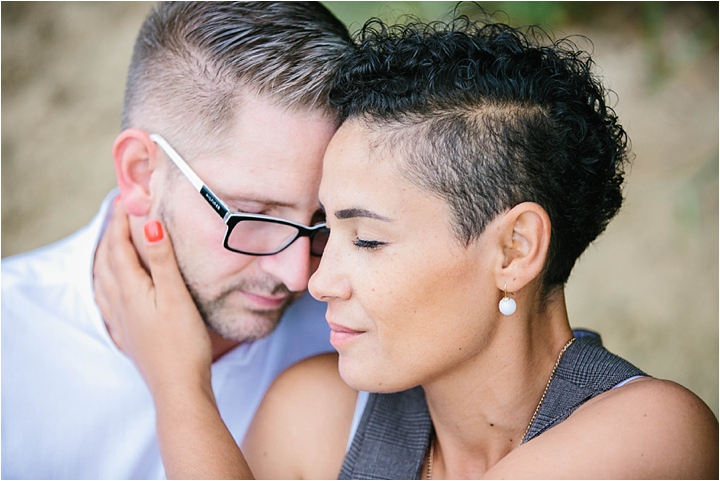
x,y
301,428
649,428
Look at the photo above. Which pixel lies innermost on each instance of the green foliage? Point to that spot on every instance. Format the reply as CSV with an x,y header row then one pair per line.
x,y
649,20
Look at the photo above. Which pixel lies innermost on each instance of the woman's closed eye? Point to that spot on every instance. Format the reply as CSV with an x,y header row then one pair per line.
x,y
367,244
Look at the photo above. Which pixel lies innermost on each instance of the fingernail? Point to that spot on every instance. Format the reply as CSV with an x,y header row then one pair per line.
x,y
117,199
153,231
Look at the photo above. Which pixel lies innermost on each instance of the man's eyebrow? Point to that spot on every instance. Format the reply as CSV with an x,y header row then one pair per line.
x,y
357,212
268,202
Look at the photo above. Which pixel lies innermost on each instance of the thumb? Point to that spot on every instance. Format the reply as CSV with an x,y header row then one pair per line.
x,y
161,260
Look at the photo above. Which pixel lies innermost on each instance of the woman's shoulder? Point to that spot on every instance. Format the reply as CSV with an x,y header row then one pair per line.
x,y
658,427
304,420
648,428
315,386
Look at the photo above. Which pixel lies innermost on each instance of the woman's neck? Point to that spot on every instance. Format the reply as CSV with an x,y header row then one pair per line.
x,y
481,409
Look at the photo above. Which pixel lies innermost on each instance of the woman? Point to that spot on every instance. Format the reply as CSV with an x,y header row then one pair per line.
x,y
473,168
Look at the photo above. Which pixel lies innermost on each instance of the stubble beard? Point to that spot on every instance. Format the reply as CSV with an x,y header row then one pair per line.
x,y
235,323
239,324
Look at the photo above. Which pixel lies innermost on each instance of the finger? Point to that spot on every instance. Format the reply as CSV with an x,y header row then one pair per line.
x,y
162,263
104,291
101,265
104,281
116,336
101,298
102,253
126,267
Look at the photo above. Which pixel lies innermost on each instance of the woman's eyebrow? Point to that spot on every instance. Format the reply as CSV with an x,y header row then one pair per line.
x,y
357,212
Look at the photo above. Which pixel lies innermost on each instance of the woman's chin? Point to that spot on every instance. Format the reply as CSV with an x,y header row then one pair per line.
x,y
364,376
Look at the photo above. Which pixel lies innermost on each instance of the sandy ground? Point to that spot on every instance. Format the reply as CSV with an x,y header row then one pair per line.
x,y
649,284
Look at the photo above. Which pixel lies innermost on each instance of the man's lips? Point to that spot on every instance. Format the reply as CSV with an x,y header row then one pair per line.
x,y
340,334
266,301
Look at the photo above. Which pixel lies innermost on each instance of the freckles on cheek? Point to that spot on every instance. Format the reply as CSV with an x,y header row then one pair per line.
x,y
394,313
386,295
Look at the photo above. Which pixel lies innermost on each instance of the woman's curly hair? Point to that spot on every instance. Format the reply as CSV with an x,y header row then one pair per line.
x,y
487,116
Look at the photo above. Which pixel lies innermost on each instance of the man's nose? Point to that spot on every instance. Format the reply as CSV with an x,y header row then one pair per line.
x,y
290,266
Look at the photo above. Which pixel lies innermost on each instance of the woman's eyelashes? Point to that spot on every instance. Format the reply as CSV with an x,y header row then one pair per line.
x,y
367,244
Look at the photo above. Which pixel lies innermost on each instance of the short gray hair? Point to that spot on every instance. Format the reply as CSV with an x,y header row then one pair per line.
x,y
193,61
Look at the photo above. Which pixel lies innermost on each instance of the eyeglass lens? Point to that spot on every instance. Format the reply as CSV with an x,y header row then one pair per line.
x,y
261,237
318,241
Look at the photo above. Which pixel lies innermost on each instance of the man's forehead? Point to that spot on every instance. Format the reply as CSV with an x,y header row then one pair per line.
x,y
269,156
247,186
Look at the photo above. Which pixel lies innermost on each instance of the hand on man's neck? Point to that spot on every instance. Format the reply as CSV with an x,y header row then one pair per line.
x,y
220,345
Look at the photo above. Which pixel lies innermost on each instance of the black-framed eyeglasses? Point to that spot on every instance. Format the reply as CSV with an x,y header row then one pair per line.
x,y
250,234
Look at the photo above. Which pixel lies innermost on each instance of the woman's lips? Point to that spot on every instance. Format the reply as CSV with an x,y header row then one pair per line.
x,y
340,334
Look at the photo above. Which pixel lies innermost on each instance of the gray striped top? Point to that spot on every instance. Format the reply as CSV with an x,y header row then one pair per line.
x,y
394,433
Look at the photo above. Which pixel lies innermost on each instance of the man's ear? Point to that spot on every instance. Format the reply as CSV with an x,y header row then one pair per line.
x,y
525,237
135,157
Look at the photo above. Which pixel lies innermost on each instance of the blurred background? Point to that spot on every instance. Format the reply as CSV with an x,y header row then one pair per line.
x,y
649,284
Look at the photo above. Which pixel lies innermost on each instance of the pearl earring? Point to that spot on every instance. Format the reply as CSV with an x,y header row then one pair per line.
x,y
507,305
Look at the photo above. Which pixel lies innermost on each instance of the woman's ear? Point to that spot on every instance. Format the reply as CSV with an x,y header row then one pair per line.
x,y
135,156
525,237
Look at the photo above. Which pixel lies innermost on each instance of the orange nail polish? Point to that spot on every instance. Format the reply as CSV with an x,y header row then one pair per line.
x,y
153,231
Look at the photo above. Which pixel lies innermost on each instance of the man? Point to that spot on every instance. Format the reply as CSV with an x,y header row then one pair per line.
x,y
238,92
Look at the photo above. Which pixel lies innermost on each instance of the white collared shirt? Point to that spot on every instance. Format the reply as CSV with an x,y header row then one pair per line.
x,y
74,406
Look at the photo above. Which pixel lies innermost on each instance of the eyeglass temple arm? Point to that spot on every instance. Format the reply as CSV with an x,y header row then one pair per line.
x,y
204,190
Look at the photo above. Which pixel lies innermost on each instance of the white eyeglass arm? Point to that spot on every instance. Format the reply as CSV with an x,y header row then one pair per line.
x,y
199,185
181,164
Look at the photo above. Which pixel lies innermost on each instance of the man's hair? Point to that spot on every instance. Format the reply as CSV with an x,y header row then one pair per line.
x,y
194,61
486,117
